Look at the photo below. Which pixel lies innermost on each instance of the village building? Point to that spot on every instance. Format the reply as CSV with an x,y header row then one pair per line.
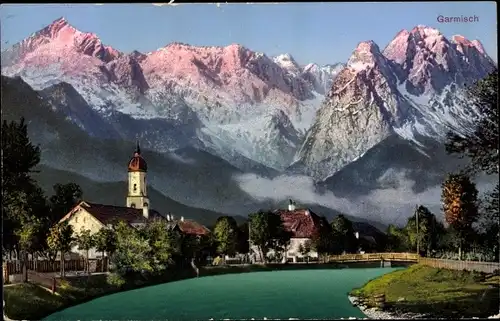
x,y
137,212
302,224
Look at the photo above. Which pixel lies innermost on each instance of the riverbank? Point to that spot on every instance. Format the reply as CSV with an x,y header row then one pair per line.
x,y
426,292
33,302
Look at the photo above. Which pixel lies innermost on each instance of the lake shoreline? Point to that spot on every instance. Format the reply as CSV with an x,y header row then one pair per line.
x,y
375,313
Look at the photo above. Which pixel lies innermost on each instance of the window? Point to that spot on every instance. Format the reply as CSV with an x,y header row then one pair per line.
x,y
132,205
145,204
76,219
84,219
135,187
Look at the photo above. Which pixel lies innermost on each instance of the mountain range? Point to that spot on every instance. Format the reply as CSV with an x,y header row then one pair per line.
x,y
217,120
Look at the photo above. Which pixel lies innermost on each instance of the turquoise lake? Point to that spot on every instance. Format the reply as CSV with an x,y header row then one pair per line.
x,y
304,294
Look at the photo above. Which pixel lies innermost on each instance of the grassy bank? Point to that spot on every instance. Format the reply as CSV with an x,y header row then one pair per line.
x,y
439,292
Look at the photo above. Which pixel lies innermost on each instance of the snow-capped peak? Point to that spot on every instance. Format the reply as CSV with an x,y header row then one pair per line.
x,y
365,55
287,62
426,31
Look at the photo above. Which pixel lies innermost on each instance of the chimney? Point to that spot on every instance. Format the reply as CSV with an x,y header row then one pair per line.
x,y
182,218
291,206
357,234
145,210
308,213
172,217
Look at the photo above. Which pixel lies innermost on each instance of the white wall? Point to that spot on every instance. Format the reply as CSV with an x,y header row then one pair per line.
x,y
293,249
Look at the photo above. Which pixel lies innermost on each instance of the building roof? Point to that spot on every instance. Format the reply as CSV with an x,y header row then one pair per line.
x,y
137,163
110,214
302,223
190,227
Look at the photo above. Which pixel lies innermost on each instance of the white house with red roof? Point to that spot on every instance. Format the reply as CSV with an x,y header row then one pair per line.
x,y
302,224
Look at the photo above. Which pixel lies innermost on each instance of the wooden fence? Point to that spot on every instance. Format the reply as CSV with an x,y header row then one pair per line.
x,y
486,267
45,266
368,257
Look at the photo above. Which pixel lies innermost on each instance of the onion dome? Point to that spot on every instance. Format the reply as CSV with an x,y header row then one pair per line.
x,y
137,163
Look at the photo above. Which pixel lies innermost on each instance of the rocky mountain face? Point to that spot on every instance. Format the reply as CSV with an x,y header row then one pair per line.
x,y
202,90
412,89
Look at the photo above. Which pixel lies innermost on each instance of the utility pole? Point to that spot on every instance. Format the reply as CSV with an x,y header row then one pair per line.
x,y
418,237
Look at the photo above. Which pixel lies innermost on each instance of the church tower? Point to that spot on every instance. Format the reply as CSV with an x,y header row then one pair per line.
x,y
137,192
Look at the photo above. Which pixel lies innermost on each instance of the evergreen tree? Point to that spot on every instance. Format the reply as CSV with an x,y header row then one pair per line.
x,y
481,143
243,245
66,196
322,240
343,233
19,157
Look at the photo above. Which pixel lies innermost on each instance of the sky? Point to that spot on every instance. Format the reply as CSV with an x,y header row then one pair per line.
x,y
324,33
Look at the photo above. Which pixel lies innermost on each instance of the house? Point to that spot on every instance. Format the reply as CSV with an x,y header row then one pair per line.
x,y
302,224
92,216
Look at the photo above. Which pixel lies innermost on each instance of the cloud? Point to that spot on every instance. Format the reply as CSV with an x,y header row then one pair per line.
x,y
393,203
184,160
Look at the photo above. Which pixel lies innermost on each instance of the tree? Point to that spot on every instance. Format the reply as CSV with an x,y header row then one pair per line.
x,y
60,239
29,237
322,240
19,157
428,231
481,143
226,235
164,244
397,239
85,241
460,205
305,249
105,242
266,232
243,246
491,221
132,254
343,232
193,246
66,196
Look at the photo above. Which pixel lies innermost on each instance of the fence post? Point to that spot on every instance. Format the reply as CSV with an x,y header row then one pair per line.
x,y
5,273
53,285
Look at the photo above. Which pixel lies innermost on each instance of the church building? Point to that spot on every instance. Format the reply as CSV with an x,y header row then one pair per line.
x,y
92,216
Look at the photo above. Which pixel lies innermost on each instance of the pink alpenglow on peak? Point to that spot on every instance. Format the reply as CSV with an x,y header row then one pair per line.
x,y
425,31
60,34
479,46
366,55
459,39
